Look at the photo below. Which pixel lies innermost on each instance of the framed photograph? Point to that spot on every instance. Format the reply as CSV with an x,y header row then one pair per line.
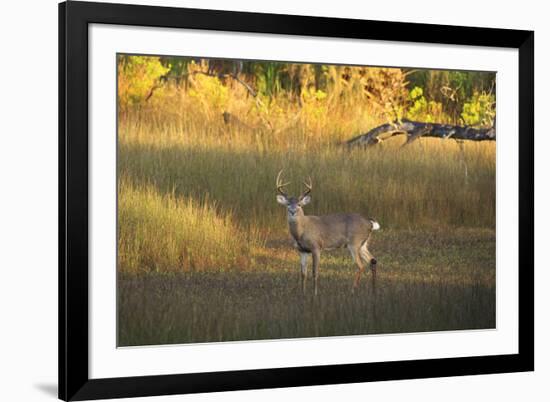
x,y
258,201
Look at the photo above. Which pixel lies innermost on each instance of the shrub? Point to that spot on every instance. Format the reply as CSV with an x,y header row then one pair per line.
x,y
479,110
422,109
138,76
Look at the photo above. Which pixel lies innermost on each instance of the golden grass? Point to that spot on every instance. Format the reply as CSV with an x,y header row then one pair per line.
x,y
179,148
165,233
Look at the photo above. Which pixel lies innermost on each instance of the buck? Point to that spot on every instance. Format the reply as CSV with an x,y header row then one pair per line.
x,y
313,234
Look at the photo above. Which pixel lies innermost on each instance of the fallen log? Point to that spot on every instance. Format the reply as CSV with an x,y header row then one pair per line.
x,y
416,129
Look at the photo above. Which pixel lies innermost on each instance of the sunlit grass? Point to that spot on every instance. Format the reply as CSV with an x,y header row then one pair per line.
x,y
430,183
164,233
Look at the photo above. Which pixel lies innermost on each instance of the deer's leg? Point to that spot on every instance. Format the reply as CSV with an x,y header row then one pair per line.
x,y
368,258
303,266
316,256
355,254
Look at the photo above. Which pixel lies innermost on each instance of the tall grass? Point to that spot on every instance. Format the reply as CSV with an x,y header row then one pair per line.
x,y
181,162
165,233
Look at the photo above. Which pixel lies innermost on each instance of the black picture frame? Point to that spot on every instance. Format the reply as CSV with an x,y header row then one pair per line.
x,y
74,381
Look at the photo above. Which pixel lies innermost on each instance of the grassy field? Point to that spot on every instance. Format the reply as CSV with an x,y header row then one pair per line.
x,y
204,250
426,281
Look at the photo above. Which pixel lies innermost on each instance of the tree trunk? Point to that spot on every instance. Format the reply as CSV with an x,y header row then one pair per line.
x,y
415,129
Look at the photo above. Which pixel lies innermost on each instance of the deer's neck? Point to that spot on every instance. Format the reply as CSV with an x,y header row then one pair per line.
x,y
296,227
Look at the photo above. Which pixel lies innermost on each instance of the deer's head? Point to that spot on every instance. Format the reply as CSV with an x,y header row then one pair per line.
x,y
293,204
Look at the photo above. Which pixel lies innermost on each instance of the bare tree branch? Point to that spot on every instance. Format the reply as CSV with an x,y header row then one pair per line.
x,y
415,129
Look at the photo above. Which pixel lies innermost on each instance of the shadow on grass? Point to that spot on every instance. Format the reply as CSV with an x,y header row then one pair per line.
x,y
232,306
399,190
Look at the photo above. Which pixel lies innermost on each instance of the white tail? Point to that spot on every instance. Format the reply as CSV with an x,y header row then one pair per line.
x,y
312,234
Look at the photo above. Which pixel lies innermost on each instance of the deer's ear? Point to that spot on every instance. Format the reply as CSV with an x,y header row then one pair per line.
x,y
305,200
281,199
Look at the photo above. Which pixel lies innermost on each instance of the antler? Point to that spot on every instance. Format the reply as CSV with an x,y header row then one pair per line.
x,y
281,185
309,186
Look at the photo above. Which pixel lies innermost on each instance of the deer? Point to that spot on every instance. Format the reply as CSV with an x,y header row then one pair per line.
x,y
313,234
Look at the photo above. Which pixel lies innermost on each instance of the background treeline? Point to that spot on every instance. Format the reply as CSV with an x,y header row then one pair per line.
x,y
456,97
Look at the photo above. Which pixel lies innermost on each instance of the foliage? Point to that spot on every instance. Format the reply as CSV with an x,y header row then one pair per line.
x,y
479,110
268,82
451,88
138,76
422,109
457,97
178,66
386,89
210,92
315,109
